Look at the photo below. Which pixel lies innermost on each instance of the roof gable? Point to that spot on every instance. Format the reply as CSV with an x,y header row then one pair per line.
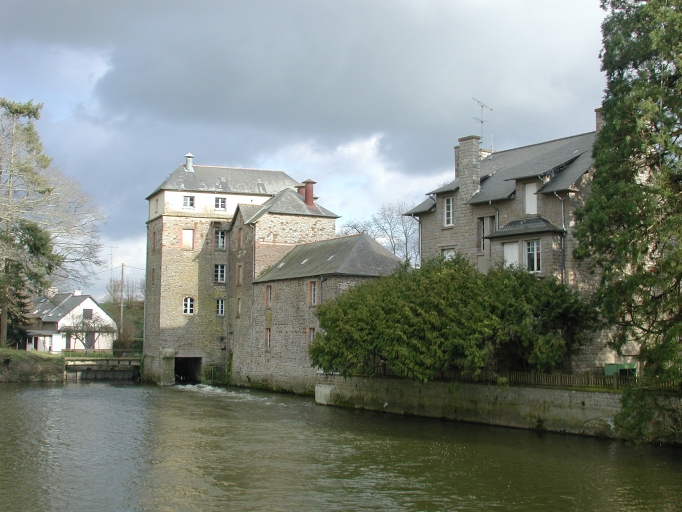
x,y
285,202
356,255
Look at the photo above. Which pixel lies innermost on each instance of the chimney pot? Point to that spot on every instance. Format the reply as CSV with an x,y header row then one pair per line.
x,y
188,162
309,198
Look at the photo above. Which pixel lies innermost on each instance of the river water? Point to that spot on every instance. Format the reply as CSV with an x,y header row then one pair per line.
x,y
105,446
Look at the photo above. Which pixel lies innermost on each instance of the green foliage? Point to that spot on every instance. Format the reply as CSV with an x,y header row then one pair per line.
x,y
448,315
631,225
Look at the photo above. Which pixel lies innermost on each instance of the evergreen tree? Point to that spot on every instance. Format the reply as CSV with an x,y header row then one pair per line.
x,y
631,225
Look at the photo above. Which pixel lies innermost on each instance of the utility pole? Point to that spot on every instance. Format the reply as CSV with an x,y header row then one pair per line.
x,y
120,326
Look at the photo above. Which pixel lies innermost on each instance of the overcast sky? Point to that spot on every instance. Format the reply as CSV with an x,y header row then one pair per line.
x,y
366,97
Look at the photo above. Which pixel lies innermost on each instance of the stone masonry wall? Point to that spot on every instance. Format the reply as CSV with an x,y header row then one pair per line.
x,y
286,364
185,272
557,410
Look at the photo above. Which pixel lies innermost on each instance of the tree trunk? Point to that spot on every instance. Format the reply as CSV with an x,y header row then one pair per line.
x,y
3,320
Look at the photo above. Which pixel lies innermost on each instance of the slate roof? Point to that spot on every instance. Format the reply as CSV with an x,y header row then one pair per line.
x,y
526,226
286,202
423,207
227,180
356,255
561,161
58,306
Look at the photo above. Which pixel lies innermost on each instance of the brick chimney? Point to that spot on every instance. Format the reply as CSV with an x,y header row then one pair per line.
x,y
300,188
308,192
600,118
188,162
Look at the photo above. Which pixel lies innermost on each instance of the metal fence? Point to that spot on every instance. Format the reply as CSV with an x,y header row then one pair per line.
x,y
587,381
103,353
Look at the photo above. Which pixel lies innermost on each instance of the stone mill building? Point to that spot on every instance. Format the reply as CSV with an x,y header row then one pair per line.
x,y
222,290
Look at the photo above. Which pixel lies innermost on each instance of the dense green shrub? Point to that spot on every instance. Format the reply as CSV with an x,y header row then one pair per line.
x,y
418,323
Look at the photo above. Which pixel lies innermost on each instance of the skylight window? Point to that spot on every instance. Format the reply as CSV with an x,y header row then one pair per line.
x,y
304,261
330,257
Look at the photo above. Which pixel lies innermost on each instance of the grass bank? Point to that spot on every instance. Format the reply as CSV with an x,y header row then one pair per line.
x,y
31,366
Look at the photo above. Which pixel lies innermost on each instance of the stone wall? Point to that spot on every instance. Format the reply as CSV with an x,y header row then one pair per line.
x,y
174,273
286,364
556,410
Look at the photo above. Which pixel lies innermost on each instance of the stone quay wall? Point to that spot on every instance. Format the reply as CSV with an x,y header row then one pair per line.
x,y
555,410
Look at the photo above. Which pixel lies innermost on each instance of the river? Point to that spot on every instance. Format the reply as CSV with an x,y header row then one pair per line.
x,y
105,446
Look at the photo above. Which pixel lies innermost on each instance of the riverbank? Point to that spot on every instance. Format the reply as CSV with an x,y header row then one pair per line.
x,y
30,366
561,410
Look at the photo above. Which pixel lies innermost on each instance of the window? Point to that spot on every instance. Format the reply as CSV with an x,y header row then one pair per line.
x,y
511,254
268,296
448,204
156,205
220,203
531,199
311,334
219,237
188,306
220,307
485,226
312,293
188,201
240,277
239,238
533,256
268,338
154,241
188,239
87,314
152,276
219,273
448,254
239,307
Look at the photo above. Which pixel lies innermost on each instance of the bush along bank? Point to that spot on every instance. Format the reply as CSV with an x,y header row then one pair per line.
x,y
23,366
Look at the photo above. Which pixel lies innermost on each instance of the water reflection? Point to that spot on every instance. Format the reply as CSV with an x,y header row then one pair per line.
x,y
135,447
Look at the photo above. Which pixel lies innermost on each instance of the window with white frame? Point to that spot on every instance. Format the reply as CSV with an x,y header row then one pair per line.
x,y
533,256
188,201
188,239
268,296
220,307
219,273
188,306
448,254
484,227
531,198
219,237
448,211
268,338
511,254
220,203
312,293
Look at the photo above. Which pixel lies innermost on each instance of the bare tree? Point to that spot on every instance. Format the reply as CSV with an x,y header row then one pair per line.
x,y
388,226
86,331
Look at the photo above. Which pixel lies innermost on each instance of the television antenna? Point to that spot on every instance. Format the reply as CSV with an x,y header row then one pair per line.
x,y
481,119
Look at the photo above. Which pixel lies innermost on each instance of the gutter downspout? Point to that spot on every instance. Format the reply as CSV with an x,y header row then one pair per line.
x,y
563,236
228,311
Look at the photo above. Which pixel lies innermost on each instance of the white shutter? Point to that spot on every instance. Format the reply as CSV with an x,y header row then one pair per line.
x,y
511,254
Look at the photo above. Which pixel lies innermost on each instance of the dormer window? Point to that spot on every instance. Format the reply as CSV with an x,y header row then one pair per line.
x,y
220,203
531,199
188,201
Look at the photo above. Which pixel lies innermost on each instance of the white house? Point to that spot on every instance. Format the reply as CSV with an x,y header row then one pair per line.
x,y
65,321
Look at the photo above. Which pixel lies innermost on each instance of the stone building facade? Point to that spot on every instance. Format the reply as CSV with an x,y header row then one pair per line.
x,y
273,332
516,207
186,280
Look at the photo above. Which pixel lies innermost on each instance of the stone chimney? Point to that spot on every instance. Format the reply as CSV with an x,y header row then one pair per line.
x,y
51,292
308,192
188,162
600,118
468,160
